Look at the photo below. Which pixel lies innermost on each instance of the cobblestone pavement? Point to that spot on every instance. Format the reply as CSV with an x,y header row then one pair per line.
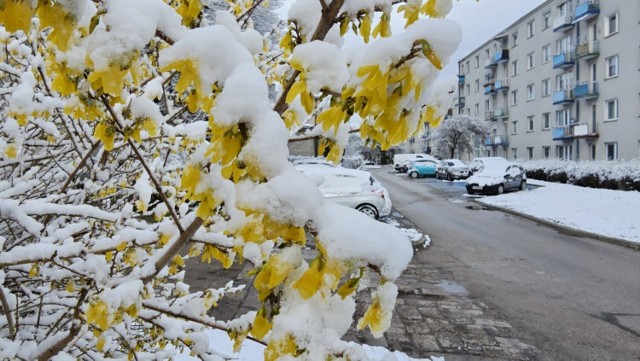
x,y
434,316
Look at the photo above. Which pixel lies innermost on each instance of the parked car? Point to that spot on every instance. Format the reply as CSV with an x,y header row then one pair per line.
x,y
400,161
422,168
496,178
479,162
313,161
451,169
403,166
350,187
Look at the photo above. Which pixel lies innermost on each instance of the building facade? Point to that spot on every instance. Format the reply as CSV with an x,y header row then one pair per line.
x,y
561,82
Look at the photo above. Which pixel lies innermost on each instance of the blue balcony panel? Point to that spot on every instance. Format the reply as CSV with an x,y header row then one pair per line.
x,y
563,60
586,10
563,97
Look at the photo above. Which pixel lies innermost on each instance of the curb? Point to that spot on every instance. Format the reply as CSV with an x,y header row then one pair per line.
x,y
576,232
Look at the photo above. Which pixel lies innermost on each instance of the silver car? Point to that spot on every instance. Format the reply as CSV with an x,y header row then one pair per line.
x,y
350,187
451,169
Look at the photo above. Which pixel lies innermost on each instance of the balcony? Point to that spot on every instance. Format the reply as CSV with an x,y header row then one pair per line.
x,y
488,64
586,10
563,133
501,56
563,23
500,113
587,50
489,79
460,79
489,116
501,84
460,101
489,89
563,96
495,140
563,60
579,130
586,90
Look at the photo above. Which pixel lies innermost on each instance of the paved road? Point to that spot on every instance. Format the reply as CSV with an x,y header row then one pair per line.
x,y
573,298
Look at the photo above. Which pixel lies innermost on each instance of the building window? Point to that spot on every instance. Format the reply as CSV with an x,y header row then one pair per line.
x,y
477,61
611,24
531,93
514,127
546,53
514,97
612,66
530,123
468,89
611,109
514,68
514,37
593,151
468,67
612,150
477,85
546,20
546,120
531,29
514,153
546,87
530,152
477,109
546,152
531,61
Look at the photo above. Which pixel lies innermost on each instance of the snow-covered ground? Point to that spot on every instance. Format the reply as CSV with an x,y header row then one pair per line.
x,y
608,213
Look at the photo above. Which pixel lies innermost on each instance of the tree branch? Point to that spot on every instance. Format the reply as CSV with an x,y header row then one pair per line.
x,y
7,313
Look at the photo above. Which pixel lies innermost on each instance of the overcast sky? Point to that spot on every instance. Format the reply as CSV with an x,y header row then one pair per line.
x,y
481,20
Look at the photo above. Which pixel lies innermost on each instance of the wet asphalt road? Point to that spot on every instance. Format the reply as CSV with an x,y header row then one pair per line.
x,y
574,298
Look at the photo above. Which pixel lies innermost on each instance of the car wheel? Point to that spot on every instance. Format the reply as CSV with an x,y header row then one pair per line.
x,y
470,191
368,210
449,177
437,175
500,189
413,175
523,184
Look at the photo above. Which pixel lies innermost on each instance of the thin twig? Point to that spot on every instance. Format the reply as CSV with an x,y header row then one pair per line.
x,y
7,313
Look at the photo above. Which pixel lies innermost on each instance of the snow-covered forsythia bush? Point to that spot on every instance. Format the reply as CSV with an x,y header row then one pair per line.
x,y
624,175
108,184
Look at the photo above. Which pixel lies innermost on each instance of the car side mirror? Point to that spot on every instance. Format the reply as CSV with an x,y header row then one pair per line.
x,y
506,176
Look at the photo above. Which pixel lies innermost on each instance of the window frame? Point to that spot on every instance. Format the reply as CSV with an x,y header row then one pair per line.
x,y
546,20
514,127
607,24
546,87
530,123
608,67
615,150
546,53
514,97
531,92
531,60
514,68
546,121
531,29
607,108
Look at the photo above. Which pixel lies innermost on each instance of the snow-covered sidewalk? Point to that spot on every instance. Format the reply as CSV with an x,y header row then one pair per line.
x,y
608,213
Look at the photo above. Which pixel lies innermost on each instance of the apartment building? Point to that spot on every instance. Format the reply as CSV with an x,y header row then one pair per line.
x,y
561,82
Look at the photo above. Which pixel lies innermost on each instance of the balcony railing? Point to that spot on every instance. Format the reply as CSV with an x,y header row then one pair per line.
x,y
500,113
578,130
501,56
563,23
563,60
460,79
501,84
563,96
563,132
489,79
489,89
460,101
586,10
489,64
587,50
488,116
495,140
586,90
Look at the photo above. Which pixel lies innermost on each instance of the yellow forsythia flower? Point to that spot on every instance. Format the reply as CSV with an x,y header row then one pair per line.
x,y
16,15
97,314
261,325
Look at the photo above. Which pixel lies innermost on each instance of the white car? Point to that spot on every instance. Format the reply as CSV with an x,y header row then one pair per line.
x,y
479,162
496,178
451,169
350,187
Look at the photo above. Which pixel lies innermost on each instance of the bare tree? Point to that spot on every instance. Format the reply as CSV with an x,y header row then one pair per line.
x,y
455,135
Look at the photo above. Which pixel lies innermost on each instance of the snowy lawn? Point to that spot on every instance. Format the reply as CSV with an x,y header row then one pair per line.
x,y
604,212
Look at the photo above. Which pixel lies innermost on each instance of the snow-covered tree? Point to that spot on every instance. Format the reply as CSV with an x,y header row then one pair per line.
x,y
107,184
455,135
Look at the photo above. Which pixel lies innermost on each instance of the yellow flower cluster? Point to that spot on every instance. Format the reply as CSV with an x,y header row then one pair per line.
x,y
261,324
16,15
278,349
373,318
226,144
105,133
413,9
271,275
62,23
190,11
211,252
323,271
